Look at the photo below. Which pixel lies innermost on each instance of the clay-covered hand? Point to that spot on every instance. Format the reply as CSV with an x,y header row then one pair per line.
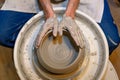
x,y
50,24
69,24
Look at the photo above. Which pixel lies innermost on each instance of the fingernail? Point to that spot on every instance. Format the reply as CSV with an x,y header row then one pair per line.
x,y
82,46
54,34
36,46
78,44
60,34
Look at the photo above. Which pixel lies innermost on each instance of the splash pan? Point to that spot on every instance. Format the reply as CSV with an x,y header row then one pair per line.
x,y
95,55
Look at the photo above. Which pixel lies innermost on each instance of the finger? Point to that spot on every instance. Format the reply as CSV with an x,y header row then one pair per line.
x,y
55,30
74,36
79,36
40,36
38,40
60,29
73,33
81,39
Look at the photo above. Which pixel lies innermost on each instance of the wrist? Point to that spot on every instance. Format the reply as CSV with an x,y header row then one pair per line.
x,y
49,15
70,14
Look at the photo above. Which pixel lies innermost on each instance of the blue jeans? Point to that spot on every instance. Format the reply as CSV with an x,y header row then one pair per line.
x,y
11,23
109,28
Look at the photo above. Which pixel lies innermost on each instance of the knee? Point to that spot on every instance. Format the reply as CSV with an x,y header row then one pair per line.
x,y
5,39
113,43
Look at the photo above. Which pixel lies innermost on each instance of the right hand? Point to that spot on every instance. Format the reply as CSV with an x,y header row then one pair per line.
x,y
69,24
50,24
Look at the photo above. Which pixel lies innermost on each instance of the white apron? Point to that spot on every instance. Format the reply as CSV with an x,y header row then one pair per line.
x,y
93,8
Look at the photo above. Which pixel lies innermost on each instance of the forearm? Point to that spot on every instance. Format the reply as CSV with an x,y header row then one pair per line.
x,y
71,8
47,8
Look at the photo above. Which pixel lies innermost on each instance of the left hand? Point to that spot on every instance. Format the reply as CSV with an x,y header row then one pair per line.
x,y
69,24
50,24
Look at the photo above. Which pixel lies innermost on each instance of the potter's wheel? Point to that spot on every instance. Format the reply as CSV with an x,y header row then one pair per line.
x,y
96,50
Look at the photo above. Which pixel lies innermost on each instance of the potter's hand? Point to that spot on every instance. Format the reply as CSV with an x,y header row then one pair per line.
x,y
69,24
50,24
